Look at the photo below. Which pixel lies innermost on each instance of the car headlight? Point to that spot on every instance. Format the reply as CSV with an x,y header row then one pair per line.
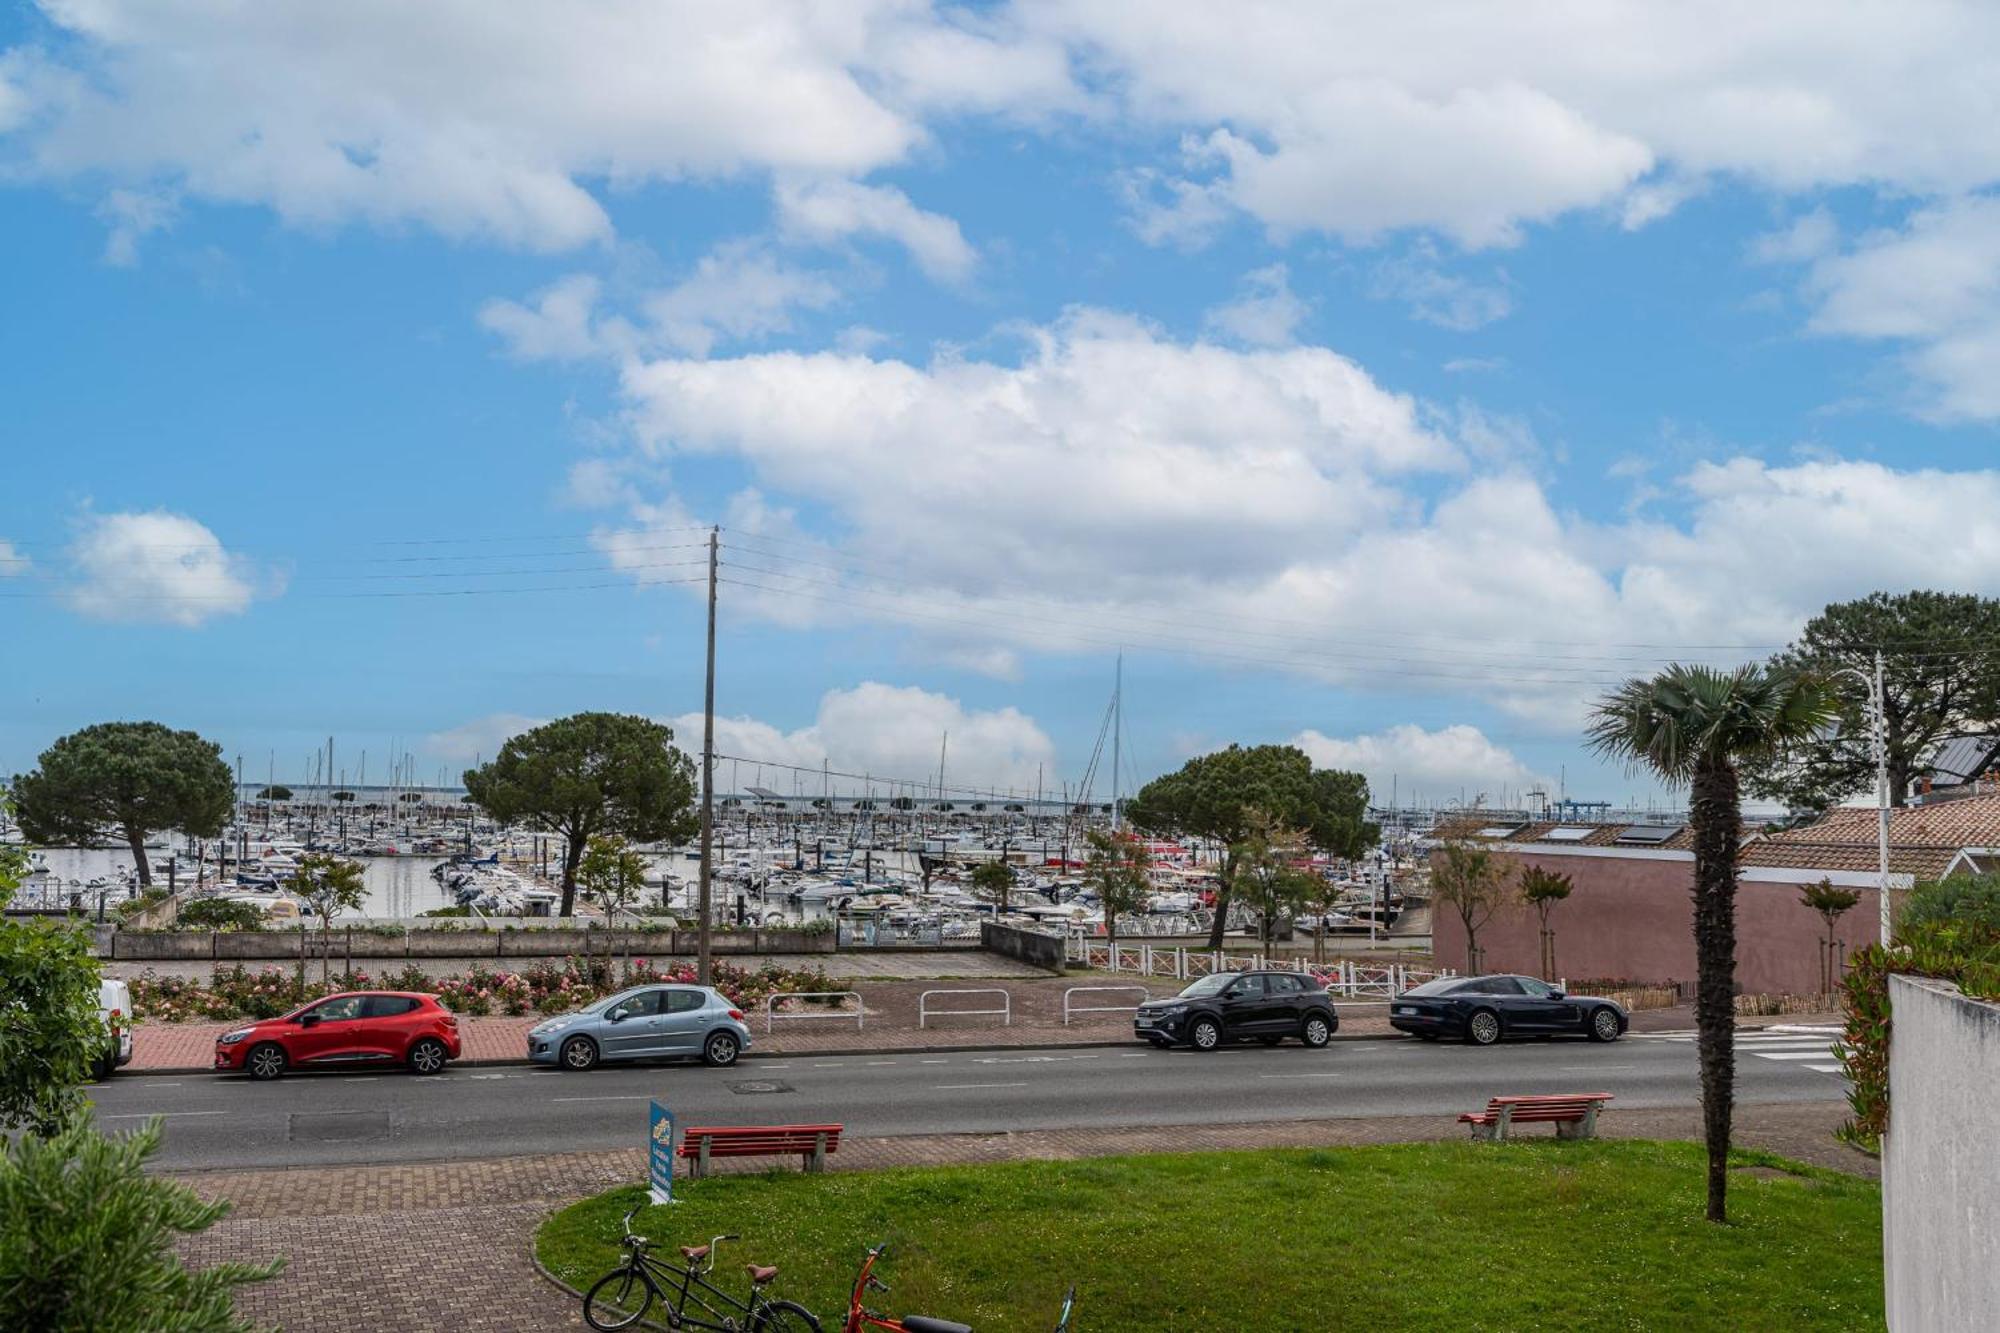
x,y
231,1038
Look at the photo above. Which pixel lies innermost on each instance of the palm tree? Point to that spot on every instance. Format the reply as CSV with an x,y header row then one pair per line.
x,y
1692,726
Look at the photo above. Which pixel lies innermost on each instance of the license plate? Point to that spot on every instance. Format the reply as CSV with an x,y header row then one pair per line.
x,y
1406,1009
1142,1022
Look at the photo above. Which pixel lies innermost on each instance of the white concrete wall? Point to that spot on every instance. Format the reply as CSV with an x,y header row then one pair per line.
x,y
1941,1161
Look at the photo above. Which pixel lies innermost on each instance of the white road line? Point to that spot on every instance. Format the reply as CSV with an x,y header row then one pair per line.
x,y
1135,1055
1827,1069
960,1087
1820,1054
359,1078
630,1097
148,1115
1298,1076
933,1062
828,1064
881,1062
1571,1069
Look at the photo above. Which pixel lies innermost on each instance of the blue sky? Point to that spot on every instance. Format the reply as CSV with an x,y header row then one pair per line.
x,y
1385,387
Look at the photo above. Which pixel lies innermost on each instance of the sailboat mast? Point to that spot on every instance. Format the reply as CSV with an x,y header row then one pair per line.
x,y
1117,734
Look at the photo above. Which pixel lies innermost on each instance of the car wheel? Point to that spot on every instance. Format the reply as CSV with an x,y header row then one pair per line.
x,y
579,1053
1316,1031
1205,1034
427,1056
1604,1024
1483,1028
720,1049
266,1061
101,1067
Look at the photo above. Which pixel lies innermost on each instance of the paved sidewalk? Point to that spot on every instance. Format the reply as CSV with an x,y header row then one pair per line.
x,y
890,1025
446,1245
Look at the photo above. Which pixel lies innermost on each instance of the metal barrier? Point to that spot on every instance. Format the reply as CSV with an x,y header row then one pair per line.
x,y
1345,977
1069,1008
859,1015
1006,1010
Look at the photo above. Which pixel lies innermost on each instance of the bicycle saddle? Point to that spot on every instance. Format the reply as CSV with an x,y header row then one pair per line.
x,y
917,1323
694,1252
759,1274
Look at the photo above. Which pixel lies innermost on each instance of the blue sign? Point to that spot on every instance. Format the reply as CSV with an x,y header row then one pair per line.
x,y
660,1154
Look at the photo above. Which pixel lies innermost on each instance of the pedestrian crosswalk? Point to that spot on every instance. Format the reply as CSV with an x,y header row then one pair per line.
x,y
1815,1048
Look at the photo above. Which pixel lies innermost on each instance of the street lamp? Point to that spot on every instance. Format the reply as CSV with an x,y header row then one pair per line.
x,y
1878,739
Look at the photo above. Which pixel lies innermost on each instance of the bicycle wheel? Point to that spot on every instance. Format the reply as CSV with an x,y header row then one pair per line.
x,y
784,1317
619,1300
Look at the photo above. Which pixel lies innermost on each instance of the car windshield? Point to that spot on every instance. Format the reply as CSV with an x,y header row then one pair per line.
x,y
1209,985
1441,986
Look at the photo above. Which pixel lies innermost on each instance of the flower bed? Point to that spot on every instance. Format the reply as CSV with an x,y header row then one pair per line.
x,y
547,987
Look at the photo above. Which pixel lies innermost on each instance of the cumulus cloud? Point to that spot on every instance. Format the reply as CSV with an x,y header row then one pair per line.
x,y
826,211
155,567
478,740
1438,297
1419,764
1932,285
1266,314
891,732
558,326
13,562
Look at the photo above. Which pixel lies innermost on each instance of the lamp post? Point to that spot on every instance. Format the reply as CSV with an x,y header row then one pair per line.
x,y
1878,742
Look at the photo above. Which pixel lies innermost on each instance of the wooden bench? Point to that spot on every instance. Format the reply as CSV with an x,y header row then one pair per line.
x,y
1574,1114
810,1143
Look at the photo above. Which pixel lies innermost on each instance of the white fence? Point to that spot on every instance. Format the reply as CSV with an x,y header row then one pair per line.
x,y
859,1013
925,1013
1069,1008
1178,963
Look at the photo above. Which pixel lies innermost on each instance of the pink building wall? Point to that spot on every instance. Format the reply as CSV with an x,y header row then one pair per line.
x,y
1631,919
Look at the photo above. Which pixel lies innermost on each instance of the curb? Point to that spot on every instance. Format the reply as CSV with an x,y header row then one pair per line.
x,y
838,1053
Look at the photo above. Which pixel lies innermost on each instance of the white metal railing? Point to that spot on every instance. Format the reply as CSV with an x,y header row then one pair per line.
x,y
1344,977
1006,1009
1068,1008
859,1013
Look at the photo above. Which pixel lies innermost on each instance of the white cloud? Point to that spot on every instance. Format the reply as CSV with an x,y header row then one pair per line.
x,y
1267,314
827,211
739,291
1807,237
1471,365
559,326
891,732
1420,764
478,740
155,567
1437,297
13,563
132,215
1934,286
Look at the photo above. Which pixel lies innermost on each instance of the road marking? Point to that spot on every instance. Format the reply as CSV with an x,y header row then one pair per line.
x,y
1827,1069
960,1087
881,1062
360,1078
489,1076
148,1115
1570,1069
1298,1076
828,1064
631,1097
1819,1054
1135,1055
933,1062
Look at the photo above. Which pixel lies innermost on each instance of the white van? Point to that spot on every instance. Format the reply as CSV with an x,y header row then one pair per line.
x,y
114,1006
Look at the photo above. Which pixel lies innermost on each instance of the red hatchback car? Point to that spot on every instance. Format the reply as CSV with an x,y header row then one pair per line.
x,y
352,1028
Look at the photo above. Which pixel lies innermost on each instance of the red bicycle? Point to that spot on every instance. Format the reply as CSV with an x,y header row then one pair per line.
x,y
860,1317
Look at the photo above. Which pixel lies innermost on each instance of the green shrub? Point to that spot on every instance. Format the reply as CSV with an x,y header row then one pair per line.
x,y
1968,900
50,1033
87,1240
220,914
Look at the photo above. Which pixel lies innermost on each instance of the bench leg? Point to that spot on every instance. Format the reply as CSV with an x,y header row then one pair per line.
x,y
817,1162
701,1162
1589,1122
1480,1133
1501,1124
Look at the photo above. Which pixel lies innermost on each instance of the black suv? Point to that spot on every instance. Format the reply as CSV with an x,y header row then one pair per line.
x,y
1230,1006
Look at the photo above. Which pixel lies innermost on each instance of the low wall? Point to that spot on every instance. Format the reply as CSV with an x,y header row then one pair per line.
x,y
1023,946
1940,1173
537,942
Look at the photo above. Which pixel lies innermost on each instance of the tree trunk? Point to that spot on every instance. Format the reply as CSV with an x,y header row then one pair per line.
x,y
572,858
1716,815
135,838
1471,945
1222,888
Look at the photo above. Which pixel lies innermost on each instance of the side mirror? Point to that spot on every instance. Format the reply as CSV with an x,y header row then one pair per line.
x,y
615,1016
308,1020
1557,995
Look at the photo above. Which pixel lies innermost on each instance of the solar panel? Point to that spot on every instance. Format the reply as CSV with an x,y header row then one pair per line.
x,y
1648,833
1500,830
1569,833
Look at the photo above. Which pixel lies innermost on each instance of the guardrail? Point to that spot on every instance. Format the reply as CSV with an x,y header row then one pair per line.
x,y
1069,1008
1179,963
1006,1009
859,1014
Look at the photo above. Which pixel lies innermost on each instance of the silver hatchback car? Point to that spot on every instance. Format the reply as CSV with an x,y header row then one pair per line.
x,y
643,1023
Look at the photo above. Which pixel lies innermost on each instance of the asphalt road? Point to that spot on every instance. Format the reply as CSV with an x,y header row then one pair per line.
x,y
330,1118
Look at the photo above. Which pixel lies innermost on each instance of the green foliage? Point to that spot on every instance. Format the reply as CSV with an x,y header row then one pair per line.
x,y
993,882
139,902
1541,888
1594,1235
1934,691
220,914
1949,930
275,794
1474,881
1829,902
1115,869
138,777
587,774
1268,878
50,1032
612,873
87,1240
330,885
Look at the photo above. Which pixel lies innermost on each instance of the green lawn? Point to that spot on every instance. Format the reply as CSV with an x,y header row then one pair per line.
x,y
1541,1234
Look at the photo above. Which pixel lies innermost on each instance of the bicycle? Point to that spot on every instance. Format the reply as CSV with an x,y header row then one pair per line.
x,y
609,1303
860,1317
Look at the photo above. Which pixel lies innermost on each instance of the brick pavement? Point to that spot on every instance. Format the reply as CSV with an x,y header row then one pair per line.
x,y
436,1245
891,1025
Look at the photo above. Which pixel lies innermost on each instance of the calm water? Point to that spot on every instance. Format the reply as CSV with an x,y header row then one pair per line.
x,y
397,885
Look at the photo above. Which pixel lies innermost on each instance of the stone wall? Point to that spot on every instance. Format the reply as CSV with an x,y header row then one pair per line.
x,y
1940,1168
531,942
1023,946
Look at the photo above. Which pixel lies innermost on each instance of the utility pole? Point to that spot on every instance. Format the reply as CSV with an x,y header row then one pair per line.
x,y
1880,739
702,967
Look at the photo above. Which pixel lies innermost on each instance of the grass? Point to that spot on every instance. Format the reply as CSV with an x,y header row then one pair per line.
x,y
1596,1235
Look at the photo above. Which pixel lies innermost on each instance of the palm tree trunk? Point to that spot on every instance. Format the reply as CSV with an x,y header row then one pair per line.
x,y
1716,815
